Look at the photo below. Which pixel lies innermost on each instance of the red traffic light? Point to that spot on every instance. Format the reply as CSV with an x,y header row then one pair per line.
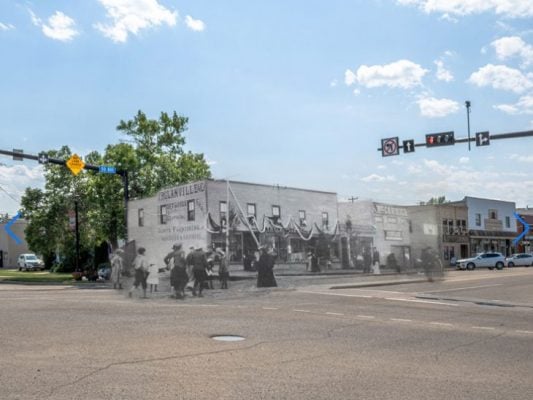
x,y
440,139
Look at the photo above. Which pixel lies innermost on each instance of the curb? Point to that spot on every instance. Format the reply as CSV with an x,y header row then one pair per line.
x,y
379,283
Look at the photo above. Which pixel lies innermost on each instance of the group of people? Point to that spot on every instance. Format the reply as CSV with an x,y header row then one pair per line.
x,y
194,270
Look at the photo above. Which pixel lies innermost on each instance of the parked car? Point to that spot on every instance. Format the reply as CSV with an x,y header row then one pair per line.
x,y
29,262
519,259
490,260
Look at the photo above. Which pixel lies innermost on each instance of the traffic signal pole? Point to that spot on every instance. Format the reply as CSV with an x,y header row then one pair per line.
x,y
509,135
42,158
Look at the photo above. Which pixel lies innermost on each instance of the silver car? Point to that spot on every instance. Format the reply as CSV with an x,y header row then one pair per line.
x,y
519,259
489,260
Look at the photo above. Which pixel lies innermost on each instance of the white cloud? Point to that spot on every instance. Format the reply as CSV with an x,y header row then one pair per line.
x,y
194,24
523,106
333,83
435,108
378,178
60,27
6,27
442,73
520,158
131,16
14,180
402,74
501,77
513,46
508,8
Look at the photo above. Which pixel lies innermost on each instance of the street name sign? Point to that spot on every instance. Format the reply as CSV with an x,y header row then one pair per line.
x,y
106,169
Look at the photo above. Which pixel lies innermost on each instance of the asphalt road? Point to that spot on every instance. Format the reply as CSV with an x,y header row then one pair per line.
x,y
468,337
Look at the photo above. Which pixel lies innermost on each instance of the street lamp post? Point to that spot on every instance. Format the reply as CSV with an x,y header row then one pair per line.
x,y
467,104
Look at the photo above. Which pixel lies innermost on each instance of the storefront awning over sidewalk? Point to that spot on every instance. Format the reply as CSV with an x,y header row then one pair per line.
x,y
492,234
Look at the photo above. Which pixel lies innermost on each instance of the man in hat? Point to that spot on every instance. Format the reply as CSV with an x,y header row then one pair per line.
x,y
178,273
141,266
265,269
198,260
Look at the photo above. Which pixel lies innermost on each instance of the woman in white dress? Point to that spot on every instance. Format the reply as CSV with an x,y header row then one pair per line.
x,y
153,277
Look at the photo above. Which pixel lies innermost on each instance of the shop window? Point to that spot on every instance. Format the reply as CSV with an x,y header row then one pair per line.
x,y
190,210
140,216
445,226
478,219
507,222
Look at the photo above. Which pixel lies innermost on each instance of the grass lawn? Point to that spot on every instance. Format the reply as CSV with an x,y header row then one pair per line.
x,y
13,275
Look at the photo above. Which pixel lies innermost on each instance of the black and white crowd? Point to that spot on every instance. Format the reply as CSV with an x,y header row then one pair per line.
x,y
192,272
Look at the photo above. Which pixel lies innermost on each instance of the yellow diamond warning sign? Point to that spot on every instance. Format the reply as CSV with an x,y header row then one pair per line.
x,y
75,164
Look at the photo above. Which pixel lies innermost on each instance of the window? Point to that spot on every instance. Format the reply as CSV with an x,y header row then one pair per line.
x,y
493,214
478,219
276,211
163,214
445,226
250,208
325,220
190,210
507,222
223,210
141,216
301,216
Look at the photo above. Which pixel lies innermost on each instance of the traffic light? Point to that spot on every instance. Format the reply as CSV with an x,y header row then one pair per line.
x,y
440,139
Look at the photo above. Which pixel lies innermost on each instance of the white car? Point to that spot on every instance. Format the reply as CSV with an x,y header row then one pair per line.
x,y
520,259
29,262
490,260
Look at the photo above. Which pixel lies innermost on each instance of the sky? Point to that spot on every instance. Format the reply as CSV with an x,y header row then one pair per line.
x,y
291,93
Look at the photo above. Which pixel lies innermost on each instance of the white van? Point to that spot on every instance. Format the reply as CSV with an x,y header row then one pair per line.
x,y
29,262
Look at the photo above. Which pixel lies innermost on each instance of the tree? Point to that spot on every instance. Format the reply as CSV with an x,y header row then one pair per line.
x,y
154,159
437,200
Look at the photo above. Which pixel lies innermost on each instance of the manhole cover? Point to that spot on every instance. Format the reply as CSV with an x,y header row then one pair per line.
x,y
227,338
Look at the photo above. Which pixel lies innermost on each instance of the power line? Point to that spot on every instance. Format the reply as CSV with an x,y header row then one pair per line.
x,y
9,194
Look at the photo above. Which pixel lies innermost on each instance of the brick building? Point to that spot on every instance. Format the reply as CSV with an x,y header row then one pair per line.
x,y
526,244
290,220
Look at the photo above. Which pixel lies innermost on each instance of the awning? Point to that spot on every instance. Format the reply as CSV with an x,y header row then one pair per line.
x,y
492,234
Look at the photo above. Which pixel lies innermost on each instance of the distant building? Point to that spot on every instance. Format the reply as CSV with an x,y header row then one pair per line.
x,y
9,249
443,227
197,214
368,226
491,225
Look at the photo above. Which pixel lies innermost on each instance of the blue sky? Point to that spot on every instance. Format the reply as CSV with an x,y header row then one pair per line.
x,y
295,93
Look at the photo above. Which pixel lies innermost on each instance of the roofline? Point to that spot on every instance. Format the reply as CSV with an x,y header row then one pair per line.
x,y
271,186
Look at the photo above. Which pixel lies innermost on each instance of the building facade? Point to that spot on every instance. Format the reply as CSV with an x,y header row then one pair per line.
x,y
526,243
367,226
442,227
9,248
199,214
491,225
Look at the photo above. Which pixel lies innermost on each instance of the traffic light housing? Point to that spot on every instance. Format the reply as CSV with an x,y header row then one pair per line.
x,y
440,139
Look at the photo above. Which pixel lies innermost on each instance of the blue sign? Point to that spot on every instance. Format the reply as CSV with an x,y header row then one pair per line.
x,y
527,227
10,232
106,169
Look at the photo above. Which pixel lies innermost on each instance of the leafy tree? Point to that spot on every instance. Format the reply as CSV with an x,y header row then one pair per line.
x,y
154,159
437,200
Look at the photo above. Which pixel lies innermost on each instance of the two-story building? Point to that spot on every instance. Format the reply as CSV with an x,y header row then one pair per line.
x,y
199,214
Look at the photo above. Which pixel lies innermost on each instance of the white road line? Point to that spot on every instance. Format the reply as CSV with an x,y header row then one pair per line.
x,y
465,288
422,301
336,294
270,308
441,323
401,320
334,313
366,316
305,311
488,328
519,331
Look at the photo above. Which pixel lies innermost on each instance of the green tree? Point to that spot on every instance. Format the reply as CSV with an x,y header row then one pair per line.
x,y
437,200
154,159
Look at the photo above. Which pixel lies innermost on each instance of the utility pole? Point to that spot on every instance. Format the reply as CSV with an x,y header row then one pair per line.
x,y
77,234
467,104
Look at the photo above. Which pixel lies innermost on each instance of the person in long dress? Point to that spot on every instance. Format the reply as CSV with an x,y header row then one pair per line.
x,y
265,270
153,277
117,265
178,273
